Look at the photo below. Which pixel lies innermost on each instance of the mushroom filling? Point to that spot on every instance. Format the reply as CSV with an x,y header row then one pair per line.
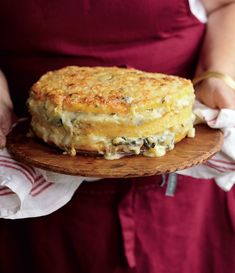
x,y
152,146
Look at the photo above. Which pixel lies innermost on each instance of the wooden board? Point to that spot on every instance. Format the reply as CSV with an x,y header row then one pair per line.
x,y
187,153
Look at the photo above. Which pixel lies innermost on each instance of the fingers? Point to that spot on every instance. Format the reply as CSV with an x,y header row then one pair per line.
x,y
4,130
2,140
205,97
216,94
6,120
225,98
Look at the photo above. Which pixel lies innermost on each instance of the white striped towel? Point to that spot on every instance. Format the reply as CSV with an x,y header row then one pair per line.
x,y
30,192
221,166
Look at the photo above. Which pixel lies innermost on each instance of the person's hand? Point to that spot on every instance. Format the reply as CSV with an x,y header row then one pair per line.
x,y
215,93
7,118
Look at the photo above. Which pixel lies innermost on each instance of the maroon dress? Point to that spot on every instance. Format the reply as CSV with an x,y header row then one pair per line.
x,y
119,225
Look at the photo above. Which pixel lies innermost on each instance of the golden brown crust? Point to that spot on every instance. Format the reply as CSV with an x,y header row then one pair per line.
x,y
105,89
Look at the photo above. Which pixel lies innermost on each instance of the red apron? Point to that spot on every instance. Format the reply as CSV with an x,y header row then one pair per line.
x,y
37,36
125,225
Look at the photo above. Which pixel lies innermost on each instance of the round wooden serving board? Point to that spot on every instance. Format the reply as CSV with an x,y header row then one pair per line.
x,y
187,153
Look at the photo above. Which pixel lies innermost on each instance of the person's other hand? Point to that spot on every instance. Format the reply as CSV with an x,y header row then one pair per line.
x,y
7,118
215,94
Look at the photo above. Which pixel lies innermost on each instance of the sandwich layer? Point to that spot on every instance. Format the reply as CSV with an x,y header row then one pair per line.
x,y
111,111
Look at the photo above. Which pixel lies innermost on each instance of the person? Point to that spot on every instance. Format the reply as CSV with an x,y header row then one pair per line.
x,y
121,225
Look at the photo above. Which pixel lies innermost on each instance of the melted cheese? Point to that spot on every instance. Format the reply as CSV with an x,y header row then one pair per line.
x,y
50,113
111,111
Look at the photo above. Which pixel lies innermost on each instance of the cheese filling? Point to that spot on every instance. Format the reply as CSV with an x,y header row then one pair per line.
x,y
111,148
152,146
61,131
58,117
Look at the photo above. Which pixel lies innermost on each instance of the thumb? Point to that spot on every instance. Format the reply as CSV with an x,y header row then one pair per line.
x,y
2,140
6,120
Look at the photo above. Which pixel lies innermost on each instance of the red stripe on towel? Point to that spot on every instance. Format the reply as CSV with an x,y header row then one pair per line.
x,y
20,166
28,167
48,184
15,167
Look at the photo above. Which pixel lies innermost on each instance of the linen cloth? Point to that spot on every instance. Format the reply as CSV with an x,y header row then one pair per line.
x,y
198,10
221,166
30,192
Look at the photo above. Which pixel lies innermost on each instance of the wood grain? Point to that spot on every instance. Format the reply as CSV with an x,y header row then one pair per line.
x,y
187,153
